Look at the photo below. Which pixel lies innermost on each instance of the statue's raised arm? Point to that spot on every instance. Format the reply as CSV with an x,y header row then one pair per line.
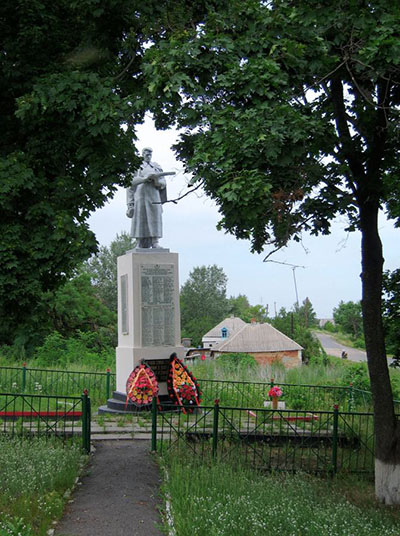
x,y
144,199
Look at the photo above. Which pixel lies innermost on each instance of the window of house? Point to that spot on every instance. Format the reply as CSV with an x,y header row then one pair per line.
x,y
224,333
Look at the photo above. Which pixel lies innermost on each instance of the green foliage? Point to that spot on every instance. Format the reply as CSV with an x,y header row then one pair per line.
x,y
237,362
240,307
293,325
76,307
203,301
15,527
333,373
307,314
214,369
70,80
330,326
312,349
297,398
391,311
34,477
290,118
348,318
254,132
262,503
357,374
70,310
102,269
88,349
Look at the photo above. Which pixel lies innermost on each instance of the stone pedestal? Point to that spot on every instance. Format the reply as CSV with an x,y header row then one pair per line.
x,y
148,313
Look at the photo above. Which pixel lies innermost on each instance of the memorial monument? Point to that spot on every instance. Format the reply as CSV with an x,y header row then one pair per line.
x,y
148,287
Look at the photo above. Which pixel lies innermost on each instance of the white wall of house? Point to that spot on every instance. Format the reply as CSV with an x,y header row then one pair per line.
x,y
212,342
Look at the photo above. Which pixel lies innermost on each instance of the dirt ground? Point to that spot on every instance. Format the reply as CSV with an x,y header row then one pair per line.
x,y
118,494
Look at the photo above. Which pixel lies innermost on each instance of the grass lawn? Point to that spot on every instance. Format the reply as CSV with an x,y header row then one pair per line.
x,y
34,478
219,499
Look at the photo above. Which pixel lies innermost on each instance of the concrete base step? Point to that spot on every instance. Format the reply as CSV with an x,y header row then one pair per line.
x,y
117,405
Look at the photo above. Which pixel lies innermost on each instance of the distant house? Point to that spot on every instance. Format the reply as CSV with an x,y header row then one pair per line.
x,y
264,342
222,331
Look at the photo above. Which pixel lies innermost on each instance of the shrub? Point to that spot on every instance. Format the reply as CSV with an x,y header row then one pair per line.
x,y
329,326
237,362
357,374
359,343
312,349
86,348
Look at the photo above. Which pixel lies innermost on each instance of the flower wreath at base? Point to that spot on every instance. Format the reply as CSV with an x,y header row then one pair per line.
x,y
183,389
141,386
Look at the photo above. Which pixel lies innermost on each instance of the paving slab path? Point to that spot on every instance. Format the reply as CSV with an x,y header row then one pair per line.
x,y
118,495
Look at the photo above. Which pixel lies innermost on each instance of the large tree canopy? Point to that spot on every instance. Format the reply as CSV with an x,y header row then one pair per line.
x,y
62,145
290,113
70,89
285,105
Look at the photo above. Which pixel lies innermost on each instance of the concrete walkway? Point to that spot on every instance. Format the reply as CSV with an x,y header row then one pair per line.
x,y
118,496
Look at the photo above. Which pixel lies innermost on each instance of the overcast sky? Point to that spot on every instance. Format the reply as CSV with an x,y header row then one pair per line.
x,y
331,264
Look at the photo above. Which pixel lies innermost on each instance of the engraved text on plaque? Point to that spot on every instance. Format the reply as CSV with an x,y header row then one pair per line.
x,y
158,321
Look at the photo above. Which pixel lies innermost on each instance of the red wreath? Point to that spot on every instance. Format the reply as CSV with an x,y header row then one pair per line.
x,y
183,388
141,386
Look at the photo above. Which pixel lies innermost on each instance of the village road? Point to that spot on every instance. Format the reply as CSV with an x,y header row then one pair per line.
x,y
332,347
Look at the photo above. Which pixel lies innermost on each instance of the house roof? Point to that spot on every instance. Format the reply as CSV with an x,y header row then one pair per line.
x,y
232,324
258,338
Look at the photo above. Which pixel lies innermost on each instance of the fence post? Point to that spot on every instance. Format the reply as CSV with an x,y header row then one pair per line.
x,y
350,403
154,425
89,423
23,377
215,428
271,383
86,415
335,437
108,382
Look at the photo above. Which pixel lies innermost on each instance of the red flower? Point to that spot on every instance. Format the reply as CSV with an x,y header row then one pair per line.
x,y
275,391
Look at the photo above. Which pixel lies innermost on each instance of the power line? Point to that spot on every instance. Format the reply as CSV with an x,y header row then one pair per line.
x,y
293,266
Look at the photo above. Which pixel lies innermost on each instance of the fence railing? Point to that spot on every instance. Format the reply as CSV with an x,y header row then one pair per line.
x,y
296,396
230,393
57,382
29,415
318,442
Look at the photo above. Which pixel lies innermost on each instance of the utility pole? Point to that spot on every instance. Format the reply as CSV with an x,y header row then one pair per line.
x,y
293,266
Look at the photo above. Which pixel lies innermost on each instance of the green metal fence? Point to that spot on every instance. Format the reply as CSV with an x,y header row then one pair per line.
x,y
319,441
29,415
296,396
57,382
230,393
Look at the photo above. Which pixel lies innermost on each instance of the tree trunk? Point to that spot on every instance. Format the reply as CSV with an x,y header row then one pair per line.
x,y
387,443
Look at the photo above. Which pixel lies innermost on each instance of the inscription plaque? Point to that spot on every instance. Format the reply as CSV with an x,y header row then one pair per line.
x,y
160,367
124,304
158,313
